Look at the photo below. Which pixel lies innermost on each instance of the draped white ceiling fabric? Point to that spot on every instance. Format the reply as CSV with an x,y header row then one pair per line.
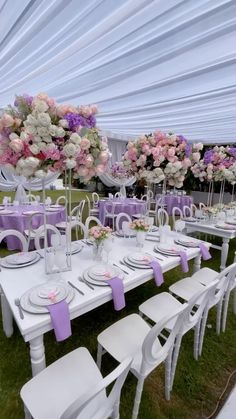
x,y
147,63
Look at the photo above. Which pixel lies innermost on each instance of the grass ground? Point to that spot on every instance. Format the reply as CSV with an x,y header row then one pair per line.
x,y
197,386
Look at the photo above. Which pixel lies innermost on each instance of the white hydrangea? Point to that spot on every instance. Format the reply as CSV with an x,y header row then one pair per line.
x,y
70,163
75,138
69,150
40,106
42,131
44,119
63,123
60,132
34,149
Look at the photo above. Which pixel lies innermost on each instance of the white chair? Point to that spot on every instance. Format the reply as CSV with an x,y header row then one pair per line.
x,y
132,336
176,211
62,199
40,235
193,209
187,211
77,225
162,217
91,211
109,213
150,194
73,387
164,304
187,288
144,197
76,215
30,232
124,217
17,234
201,206
231,287
95,199
31,197
118,195
92,219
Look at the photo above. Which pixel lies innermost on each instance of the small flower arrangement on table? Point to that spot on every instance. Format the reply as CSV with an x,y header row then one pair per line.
x,y
212,210
139,225
98,235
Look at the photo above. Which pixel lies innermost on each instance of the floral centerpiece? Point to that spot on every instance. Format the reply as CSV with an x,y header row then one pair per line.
x,y
38,136
141,228
98,234
120,171
160,156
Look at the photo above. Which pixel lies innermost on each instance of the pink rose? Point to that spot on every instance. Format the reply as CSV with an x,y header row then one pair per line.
x,y
84,143
82,171
100,169
7,120
196,156
16,145
103,156
88,161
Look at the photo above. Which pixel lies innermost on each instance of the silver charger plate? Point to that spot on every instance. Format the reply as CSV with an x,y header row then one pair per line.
x,y
135,264
5,264
186,243
100,282
21,258
165,251
34,309
38,296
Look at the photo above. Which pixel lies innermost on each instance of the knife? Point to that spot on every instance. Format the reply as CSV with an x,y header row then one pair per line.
x,y
73,286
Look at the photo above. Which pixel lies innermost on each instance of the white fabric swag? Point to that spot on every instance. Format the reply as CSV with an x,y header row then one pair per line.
x,y
147,63
109,180
10,182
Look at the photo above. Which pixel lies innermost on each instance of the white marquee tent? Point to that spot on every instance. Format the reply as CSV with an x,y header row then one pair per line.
x,y
147,63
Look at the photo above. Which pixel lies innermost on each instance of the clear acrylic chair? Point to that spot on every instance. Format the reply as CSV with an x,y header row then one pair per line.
x,y
132,336
73,388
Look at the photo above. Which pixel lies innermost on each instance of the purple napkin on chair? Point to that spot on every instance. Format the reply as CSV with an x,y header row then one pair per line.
x,y
158,275
184,260
60,318
204,252
118,295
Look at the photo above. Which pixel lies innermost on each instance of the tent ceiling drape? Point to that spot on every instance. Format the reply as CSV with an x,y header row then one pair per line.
x,y
147,63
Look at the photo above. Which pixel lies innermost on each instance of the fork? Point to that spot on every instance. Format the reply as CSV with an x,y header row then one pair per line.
x,y
125,272
85,282
125,264
73,286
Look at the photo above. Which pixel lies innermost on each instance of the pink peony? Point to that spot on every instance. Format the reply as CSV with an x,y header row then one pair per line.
x,y
7,120
84,143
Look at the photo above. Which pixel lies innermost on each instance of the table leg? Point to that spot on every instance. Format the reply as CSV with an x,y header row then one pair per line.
x,y
7,317
37,355
224,253
197,263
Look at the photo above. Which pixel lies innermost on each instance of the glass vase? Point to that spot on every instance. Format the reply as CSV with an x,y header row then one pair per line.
x,y
97,251
140,239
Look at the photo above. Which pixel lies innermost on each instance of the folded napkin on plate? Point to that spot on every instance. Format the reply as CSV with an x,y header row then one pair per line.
x,y
60,318
158,275
184,260
118,295
204,251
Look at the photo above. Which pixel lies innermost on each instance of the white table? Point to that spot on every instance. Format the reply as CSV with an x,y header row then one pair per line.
x,y
226,235
14,282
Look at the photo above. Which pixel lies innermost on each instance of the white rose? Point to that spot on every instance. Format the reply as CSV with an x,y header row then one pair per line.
x,y
13,136
51,146
31,120
70,163
32,162
41,106
44,119
60,132
37,139
21,163
31,129
47,139
34,149
16,145
42,146
53,130
63,123
28,171
42,131
69,150
23,135
75,138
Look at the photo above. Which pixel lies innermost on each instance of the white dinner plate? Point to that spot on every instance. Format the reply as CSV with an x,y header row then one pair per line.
x,y
120,234
51,209
136,264
21,258
31,212
225,226
187,243
55,206
76,247
190,219
101,280
39,296
35,309
102,272
140,258
231,222
168,249
7,212
5,264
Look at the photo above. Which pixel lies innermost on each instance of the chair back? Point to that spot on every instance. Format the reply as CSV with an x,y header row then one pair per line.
x,y
85,405
226,277
40,235
89,204
109,208
144,197
187,211
152,351
176,211
90,219
150,194
197,305
31,197
201,206
95,199
162,217
78,225
193,209
62,199
78,211
117,195
124,217
31,228
17,234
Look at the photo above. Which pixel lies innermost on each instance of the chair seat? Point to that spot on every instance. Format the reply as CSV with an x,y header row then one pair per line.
x,y
205,276
50,392
63,224
160,306
125,338
94,211
186,288
32,233
111,215
137,215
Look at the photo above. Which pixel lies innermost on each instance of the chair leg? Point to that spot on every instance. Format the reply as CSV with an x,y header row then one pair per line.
x,y
196,340
175,356
27,413
225,311
116,411
235,300
168,375
99,355
138,395
202,331
218,316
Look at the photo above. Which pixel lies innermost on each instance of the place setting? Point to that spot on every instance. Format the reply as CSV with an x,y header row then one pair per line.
x,y
20,260
100,273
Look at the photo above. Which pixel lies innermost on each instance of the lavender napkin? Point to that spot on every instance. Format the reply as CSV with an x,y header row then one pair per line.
x,y
204,252
60,318
158,275
117,288
184,260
